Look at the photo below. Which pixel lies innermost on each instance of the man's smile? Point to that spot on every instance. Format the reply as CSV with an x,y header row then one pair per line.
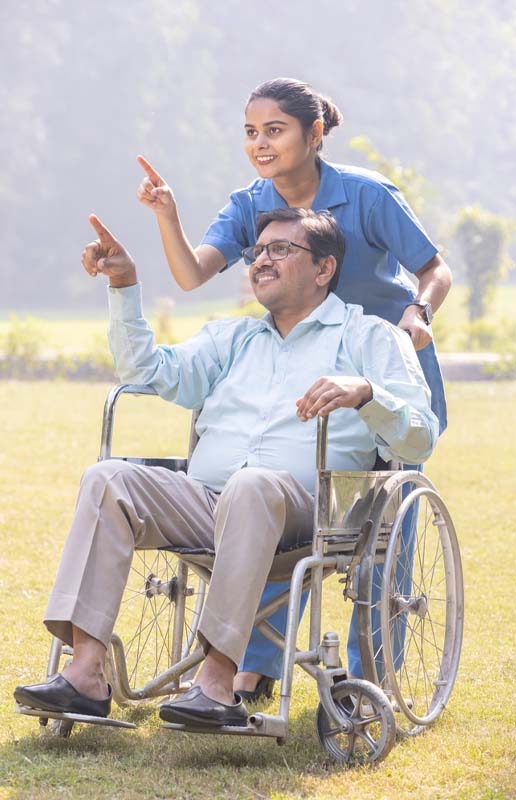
x,y
264,275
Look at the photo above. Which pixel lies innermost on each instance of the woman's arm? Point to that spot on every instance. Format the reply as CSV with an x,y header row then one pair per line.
x,y
435,279
189,267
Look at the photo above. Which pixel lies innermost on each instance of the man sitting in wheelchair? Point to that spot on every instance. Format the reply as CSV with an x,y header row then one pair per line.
x,y
261,384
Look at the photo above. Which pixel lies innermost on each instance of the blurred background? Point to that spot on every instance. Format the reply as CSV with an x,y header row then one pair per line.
x,y
427,89
428,95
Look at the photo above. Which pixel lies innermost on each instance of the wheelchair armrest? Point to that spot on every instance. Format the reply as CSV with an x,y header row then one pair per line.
x,y
108,417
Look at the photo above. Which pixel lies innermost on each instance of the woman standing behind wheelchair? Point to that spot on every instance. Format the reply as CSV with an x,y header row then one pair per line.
x,y
285,122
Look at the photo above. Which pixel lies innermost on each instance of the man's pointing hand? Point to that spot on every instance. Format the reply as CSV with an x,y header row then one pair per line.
x,y
107,256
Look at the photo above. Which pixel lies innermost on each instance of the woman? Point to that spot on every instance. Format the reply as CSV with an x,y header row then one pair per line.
x,y
285,122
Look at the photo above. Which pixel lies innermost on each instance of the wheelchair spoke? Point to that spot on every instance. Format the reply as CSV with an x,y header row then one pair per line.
x,y
154,593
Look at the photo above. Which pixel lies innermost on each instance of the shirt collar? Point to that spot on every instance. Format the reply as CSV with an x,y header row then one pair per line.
x,y
331,191
330,312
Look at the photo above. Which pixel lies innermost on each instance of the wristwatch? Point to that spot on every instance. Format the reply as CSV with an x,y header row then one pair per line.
x,y
426,309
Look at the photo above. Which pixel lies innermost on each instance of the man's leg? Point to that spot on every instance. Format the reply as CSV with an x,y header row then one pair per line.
x,y
256,510
262,657
120,506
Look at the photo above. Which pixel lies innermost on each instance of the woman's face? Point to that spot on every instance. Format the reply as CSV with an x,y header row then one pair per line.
x,y
275,142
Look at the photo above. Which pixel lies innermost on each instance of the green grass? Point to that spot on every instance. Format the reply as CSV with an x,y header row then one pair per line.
x,y
50,433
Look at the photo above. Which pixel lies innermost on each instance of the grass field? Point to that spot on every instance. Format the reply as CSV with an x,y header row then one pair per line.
x,y
50,433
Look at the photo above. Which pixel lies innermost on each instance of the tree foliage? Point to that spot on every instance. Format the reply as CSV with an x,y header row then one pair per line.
x,y
483,238
86,86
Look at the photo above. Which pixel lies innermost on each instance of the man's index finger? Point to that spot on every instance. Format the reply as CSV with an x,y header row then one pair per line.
x,y
104,234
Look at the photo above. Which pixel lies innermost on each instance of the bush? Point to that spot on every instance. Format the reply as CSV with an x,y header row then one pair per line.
x,y
505,346
24,339
480,335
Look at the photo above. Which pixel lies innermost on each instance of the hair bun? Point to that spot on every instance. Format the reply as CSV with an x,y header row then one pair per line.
x,y
331,115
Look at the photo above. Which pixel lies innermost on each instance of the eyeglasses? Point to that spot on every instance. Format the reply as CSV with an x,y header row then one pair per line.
x,y
276,251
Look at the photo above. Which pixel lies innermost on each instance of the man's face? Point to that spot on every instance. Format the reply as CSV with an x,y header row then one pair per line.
x,y
289,284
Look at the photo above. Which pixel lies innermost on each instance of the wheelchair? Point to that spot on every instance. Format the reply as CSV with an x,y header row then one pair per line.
x,y
408,589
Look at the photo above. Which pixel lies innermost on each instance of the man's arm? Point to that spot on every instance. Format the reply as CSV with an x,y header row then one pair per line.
x,y
391,395
183,373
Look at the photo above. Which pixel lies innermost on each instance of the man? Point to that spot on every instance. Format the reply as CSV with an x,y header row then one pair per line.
x,y
260,387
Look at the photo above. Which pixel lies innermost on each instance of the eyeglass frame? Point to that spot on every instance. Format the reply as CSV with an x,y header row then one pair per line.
x,y
266,248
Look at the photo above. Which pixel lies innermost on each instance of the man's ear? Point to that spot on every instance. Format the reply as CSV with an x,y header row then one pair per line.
x,y
325,270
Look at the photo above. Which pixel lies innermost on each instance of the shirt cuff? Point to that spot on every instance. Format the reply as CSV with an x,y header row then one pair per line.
x,y
381,409
126,303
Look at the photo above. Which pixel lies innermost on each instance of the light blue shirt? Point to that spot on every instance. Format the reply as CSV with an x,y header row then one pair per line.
x,y
247,378
381,232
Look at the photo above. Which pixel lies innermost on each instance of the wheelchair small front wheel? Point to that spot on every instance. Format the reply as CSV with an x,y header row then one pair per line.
x,y
62,728
368,730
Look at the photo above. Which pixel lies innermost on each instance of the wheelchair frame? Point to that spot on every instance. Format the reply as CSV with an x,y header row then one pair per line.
x,y
358,525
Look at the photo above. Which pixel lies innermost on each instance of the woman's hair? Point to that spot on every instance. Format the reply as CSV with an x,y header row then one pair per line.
x,y
299,100
323,235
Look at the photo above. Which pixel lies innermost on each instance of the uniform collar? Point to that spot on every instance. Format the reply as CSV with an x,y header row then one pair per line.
x,y
331,191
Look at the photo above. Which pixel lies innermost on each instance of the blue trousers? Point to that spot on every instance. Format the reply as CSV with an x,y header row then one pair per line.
x,y
263,657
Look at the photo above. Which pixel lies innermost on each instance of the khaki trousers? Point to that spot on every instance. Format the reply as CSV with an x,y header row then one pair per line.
x,y
122,506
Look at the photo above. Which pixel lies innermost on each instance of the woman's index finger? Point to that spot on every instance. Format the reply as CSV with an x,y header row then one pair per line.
x,y
155,177
104,234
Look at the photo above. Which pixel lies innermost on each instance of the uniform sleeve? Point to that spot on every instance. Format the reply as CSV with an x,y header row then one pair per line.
x,y
399,415
228,232
392,225
181,373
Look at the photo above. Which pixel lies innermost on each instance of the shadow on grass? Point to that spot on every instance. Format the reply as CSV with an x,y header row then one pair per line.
x,y
199,765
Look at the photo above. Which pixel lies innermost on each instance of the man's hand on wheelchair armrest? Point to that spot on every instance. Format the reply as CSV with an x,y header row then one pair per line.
x,y
331,392
109,257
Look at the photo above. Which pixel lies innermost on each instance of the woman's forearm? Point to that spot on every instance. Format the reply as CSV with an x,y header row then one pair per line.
x,y
189,267
435,280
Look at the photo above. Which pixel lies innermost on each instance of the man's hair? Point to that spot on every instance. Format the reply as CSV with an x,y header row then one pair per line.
x,y
323,235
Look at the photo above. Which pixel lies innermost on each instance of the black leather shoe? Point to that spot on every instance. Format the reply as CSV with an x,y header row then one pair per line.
x,y
264,688
194,708
59,695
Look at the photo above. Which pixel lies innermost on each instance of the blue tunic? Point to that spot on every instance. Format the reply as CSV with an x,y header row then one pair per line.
x,y
381,231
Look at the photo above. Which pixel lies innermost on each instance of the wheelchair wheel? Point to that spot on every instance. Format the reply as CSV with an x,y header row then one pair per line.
x,y
422,609
157,622
369,589
367,732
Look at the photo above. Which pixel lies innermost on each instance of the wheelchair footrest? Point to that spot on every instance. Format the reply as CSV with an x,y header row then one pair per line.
x,y
228,730
84,718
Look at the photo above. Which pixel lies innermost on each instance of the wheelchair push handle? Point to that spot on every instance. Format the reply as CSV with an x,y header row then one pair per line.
x,y
322,443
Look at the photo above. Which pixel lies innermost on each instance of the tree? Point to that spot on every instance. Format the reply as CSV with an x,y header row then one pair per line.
x,y
410,183
483,238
